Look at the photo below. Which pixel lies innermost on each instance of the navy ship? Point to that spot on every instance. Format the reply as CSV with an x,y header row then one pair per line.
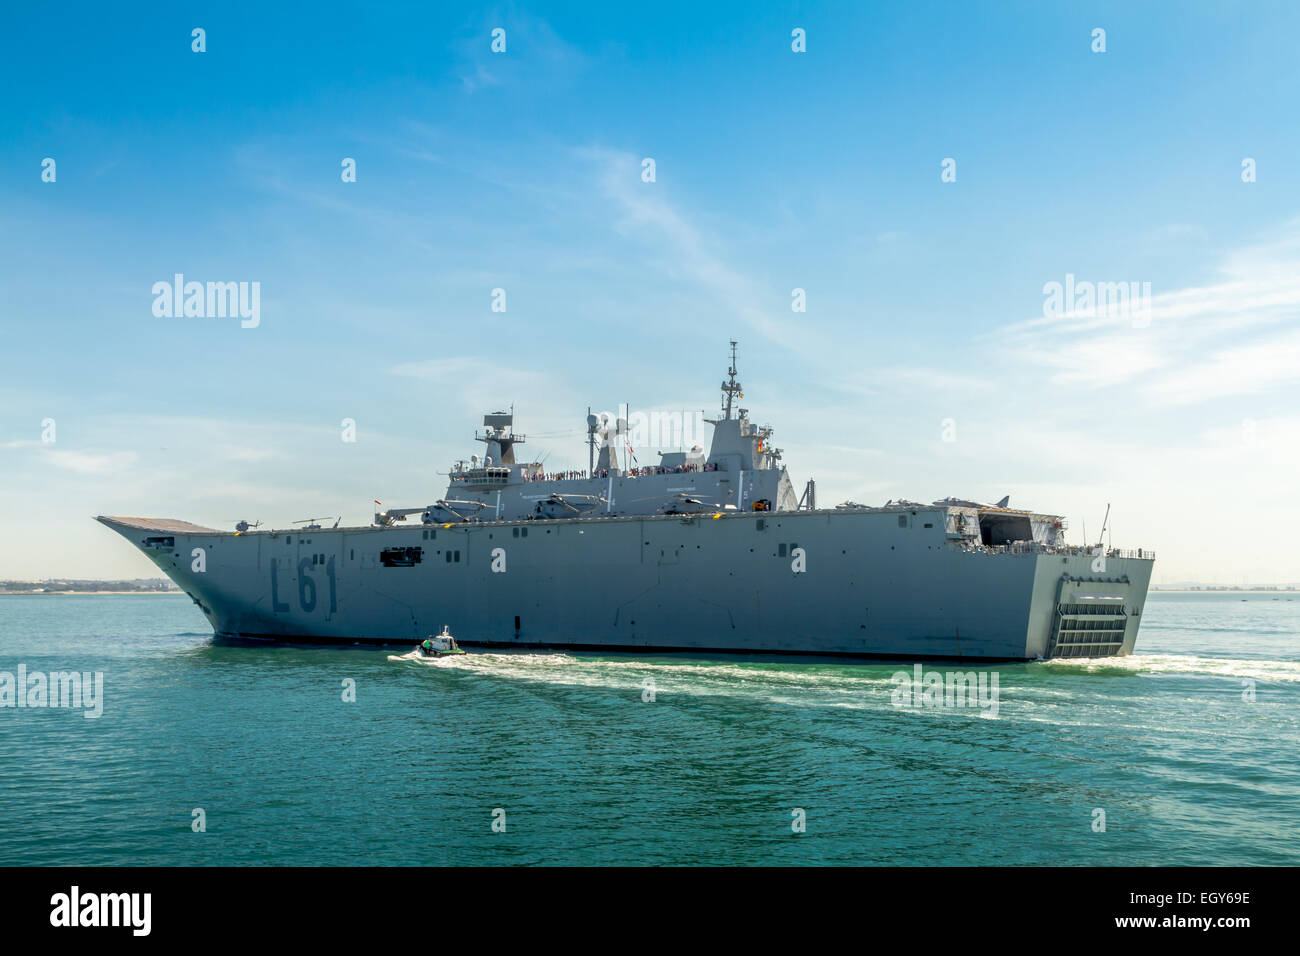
x,y
708,552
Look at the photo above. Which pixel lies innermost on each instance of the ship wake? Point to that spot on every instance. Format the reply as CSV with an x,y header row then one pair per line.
x,y
1141,664
851,687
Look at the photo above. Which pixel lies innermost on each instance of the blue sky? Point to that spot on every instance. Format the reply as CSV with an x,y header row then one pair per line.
x,y
775,170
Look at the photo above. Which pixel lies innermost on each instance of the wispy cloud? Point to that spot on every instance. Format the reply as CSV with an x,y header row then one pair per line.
x,y
1250,369
91,463
534,53
1234,337
684,249
80,461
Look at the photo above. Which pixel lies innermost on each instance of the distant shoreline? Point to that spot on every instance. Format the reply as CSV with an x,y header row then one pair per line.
x,y
1222,591
48,593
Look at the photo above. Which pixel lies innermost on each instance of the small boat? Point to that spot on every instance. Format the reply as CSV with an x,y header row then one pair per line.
x,y
440,645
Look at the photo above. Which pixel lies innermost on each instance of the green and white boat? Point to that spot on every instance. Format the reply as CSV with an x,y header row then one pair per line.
x,y
439,645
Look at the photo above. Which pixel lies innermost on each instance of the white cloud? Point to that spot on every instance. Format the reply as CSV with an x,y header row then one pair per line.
x,y
90,463
1250,369
684,249
1232,338
535,54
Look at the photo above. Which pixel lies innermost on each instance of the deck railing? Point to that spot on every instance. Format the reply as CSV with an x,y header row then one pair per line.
x,y
1067,550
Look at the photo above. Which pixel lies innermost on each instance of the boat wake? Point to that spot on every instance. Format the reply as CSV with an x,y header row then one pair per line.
x,y
847,686
1139,664
811,685
415,657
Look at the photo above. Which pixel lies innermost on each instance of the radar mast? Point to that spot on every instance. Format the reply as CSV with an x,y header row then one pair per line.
x,y
731,388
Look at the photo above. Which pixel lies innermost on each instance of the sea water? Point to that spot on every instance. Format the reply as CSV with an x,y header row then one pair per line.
x,y
1187,752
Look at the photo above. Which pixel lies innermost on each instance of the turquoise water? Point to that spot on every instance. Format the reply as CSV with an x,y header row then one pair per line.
x,y
587,772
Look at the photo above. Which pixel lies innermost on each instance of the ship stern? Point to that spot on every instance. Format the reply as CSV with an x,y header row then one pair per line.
x,y
1088,605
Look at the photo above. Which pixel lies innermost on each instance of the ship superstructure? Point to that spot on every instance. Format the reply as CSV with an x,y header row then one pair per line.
x,y
741,471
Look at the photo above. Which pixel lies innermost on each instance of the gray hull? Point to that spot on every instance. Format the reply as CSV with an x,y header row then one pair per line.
x,y
862,583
